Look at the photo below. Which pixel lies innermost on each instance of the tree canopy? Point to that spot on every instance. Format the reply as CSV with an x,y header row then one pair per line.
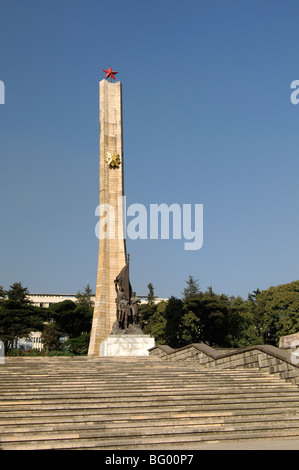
x,y
71,319
85,298
277,311
219,320
191,290
199,316
18,318
150,295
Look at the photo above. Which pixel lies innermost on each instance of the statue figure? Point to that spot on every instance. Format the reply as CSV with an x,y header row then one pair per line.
x,y
123,312
123,293
119,296
127,305
135,301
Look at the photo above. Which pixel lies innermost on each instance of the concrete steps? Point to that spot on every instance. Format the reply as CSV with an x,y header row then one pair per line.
x,y
138,403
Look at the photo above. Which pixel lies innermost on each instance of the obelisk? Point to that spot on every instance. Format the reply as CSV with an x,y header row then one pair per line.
x,y
112,245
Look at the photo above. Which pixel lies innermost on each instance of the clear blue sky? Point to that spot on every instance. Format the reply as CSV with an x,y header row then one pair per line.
x,y
207,120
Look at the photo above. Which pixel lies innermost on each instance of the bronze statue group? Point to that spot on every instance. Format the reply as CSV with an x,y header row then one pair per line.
x,y
127,309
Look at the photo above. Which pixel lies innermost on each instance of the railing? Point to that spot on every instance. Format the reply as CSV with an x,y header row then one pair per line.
x,y
283,364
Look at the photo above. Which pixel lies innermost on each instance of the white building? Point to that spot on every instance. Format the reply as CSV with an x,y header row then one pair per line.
x,y
45,300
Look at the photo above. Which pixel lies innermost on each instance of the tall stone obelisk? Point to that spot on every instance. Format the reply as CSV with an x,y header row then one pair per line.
x,y
112,245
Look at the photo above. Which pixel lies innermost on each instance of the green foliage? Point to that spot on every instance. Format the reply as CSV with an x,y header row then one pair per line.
x,y
22,352
18,293
218,320
190,328
50,337
60,353
72,319
150,295
277,311
146,311
173,316
206,317
85,299
77,346
242,331
18,318
2,294
214,319
191,290
153,321
37,353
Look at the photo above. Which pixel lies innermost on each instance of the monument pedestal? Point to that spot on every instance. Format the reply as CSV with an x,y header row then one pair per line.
x,y
127,345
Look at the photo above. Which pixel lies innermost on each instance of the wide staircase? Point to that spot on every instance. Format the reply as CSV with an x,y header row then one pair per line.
x,y
138,403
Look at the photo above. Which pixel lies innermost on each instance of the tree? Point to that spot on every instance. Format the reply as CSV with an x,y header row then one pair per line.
x,y
50,337
242,331
146,311
173,315
277,310
150,295
190,328
192,321
18,318
155,323
163,321
79,345
257,310
18,293
214,318
205,318
219,320
2,294
71,319
191,290
85,298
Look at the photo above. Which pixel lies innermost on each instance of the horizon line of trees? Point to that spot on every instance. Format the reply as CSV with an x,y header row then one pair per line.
x,y
222,321
215,319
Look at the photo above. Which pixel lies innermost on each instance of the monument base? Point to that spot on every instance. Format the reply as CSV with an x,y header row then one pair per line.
x,y
126,345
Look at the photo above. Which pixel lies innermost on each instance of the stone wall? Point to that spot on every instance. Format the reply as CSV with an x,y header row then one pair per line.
x,y
289,341
267,358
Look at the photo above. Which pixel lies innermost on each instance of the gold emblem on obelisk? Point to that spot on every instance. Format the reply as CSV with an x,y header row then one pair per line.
x,y
113,160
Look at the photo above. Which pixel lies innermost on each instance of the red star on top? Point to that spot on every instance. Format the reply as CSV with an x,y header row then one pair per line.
x,y
109,73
